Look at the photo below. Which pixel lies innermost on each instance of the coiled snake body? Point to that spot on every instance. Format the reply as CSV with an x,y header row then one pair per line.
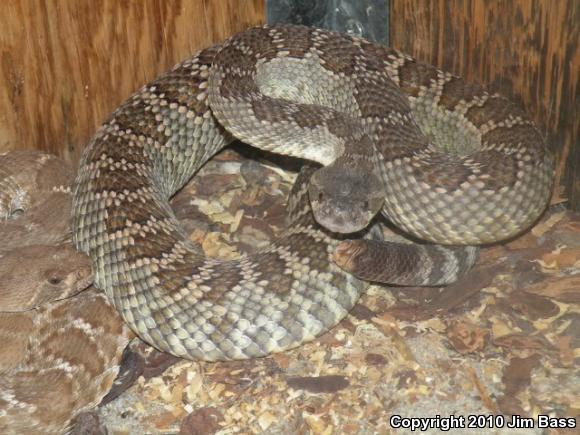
x,y
192,306
61,342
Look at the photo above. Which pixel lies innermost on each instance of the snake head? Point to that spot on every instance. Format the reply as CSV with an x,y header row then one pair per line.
x,y
345,199
35,275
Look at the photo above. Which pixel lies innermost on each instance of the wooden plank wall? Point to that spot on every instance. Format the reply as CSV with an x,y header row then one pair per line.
x,y
526,49
65,65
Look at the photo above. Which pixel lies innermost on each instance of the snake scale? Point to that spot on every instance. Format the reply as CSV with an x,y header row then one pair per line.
x,y
493,185
62,341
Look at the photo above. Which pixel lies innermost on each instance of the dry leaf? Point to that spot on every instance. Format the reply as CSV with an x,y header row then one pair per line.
x,y
466,337
563,289
563,258
545,226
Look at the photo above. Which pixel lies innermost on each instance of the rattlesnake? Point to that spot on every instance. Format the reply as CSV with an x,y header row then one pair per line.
x,y
458,165
34,199
60,348
181,302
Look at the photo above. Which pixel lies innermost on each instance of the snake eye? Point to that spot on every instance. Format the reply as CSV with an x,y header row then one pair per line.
x,y
320,196
16,213
54,280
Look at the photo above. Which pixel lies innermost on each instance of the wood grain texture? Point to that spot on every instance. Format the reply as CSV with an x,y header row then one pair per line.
x,y
526,49
65,65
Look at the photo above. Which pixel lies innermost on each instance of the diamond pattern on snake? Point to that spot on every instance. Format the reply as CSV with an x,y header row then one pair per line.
x,y
62,340
444,160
